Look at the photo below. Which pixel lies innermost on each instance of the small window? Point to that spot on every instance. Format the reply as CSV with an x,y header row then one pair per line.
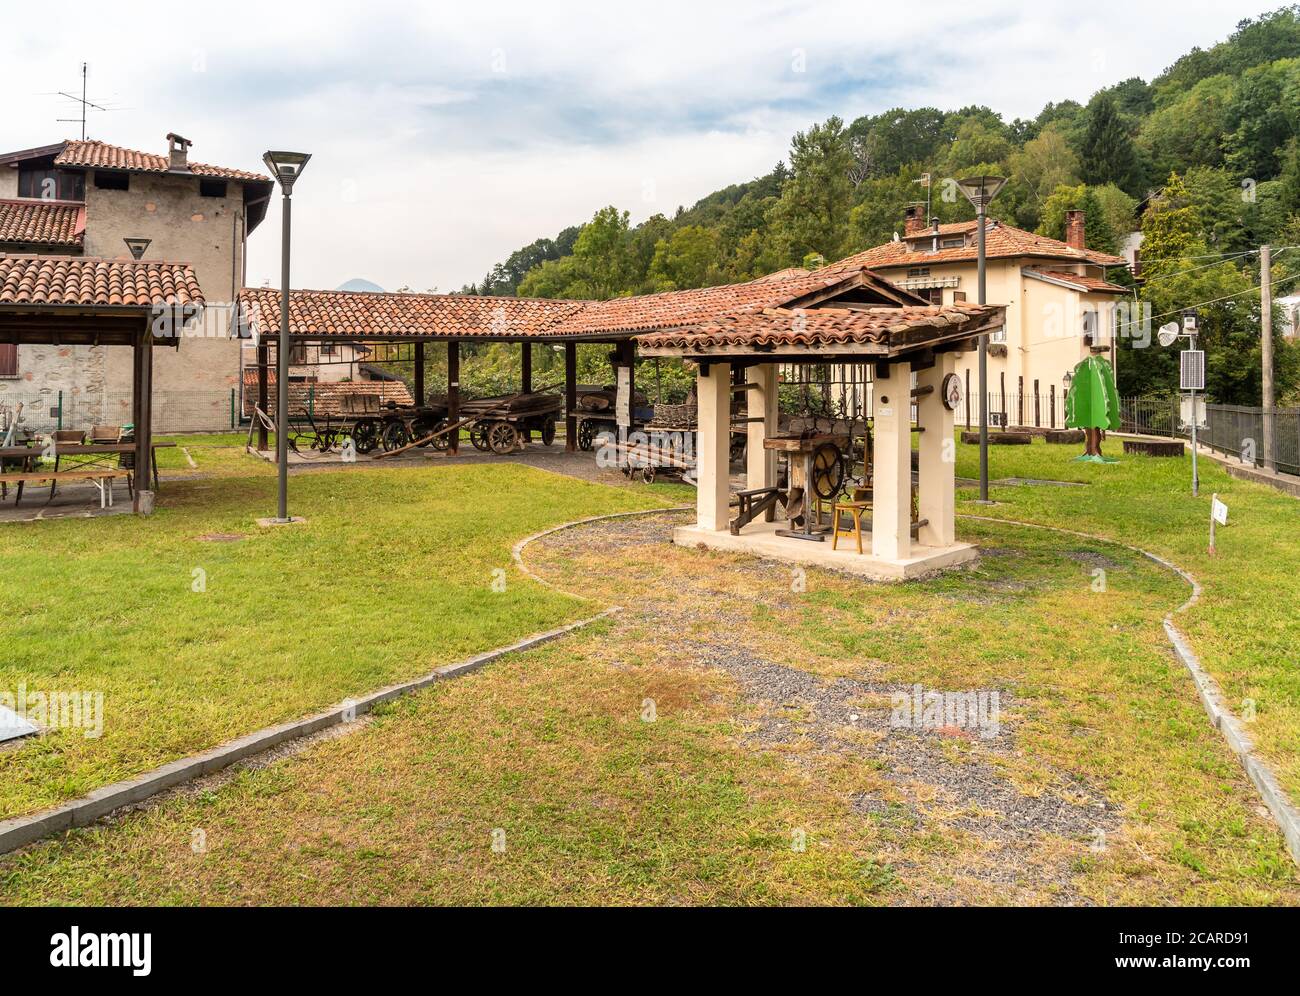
x,y
51,184
919,271
953,243
212,188
8,360
105,180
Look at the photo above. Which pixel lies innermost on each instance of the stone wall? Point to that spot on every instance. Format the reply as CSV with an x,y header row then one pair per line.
x,y
196,374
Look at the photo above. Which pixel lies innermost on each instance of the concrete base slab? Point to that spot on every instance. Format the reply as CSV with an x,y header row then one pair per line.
x,y
760,540
293,520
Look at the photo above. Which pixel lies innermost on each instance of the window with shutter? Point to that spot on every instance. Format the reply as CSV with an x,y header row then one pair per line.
x,y
8,360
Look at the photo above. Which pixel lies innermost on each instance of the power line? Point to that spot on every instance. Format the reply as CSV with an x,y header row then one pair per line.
x,y
1226,297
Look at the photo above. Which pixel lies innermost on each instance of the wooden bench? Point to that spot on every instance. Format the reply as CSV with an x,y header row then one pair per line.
x,y
1155,447
1000,438
102,479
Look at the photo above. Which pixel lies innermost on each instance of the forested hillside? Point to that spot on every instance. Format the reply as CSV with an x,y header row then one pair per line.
x,y
1205,159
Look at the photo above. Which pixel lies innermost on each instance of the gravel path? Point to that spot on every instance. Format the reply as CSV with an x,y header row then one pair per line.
x,y
691,617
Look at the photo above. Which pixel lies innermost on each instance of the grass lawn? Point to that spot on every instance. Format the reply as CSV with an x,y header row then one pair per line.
x,y
772,704
390,578
1246,629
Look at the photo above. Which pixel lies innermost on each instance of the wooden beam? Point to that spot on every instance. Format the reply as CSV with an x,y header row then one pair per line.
x,y
453,391
419,373
143,417
570,397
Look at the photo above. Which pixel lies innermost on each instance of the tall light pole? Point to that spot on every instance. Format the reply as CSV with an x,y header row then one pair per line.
x,y
285,167
980,190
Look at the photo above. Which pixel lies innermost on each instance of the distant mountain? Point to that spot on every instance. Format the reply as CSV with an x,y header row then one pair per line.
x,y
357,284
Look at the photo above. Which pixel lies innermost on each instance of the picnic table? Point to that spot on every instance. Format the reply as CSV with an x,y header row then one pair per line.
x,y
28,455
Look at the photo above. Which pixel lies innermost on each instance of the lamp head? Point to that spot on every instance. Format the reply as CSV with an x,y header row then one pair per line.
x,y
980,190
286,167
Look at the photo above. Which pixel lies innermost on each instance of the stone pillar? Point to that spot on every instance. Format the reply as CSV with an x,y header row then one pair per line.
x,y
891,472
938,456
761,400
713,447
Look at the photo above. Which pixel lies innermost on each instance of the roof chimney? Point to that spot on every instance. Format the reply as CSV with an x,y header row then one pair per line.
x,y
914,219
1074,229
178,152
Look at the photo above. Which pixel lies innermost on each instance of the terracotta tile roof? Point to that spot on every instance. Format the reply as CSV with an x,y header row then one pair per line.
x,y
1078,280
105,156
826,327
1001,241
92,282
54,223
361,314
672,308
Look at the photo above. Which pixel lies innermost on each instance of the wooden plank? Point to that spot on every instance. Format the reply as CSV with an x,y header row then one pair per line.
x,y
453,391
570,397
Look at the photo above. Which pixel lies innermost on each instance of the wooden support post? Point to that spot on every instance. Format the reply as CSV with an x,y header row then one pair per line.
x,y
570,397
262,360
419,373
143,419
526,379
453,391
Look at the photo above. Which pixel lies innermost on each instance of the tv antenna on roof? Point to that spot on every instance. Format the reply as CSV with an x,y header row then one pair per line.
x,y
85,104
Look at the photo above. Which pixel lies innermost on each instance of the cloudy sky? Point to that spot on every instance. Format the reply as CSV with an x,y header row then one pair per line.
x,y
446,135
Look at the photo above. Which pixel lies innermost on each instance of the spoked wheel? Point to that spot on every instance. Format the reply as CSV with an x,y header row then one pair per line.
x,y
425,425
828,471
394,436
442,442
586,434
648,474
502,437
478,436
365,435
548,432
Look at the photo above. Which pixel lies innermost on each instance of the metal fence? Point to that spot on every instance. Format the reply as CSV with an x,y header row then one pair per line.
x,y
1043,410
173,411
1239,430
1236,430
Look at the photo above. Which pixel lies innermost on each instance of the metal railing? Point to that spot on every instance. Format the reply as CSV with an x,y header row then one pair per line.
x,y
173,411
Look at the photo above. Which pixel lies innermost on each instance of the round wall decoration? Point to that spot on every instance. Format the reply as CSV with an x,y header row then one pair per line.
x,y
952,392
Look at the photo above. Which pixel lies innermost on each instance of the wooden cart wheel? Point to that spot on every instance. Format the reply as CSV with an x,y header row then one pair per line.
x,y
586,434
365,435
502,437
478,437
828,471
424,425
394,436
548,432
648,474
441,443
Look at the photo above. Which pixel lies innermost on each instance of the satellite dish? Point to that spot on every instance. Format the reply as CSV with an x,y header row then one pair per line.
x,y
1168,333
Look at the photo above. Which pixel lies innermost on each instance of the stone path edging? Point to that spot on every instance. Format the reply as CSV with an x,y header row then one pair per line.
x,y
1239,741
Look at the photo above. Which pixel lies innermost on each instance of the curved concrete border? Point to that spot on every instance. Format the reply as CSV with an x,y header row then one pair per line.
x,y
1260,774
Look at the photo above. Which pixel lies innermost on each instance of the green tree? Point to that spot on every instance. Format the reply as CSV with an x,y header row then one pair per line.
x,y
1194,130
812,214
1044,164
688,258
1108,154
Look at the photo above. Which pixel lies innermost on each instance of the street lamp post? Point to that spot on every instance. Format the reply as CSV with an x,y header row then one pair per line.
x,y
980,190
285,167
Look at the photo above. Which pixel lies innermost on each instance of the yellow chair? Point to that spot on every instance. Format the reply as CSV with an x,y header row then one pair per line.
x,y
854,509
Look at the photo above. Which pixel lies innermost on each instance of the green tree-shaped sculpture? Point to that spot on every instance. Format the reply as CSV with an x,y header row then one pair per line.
x,y
1092,404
